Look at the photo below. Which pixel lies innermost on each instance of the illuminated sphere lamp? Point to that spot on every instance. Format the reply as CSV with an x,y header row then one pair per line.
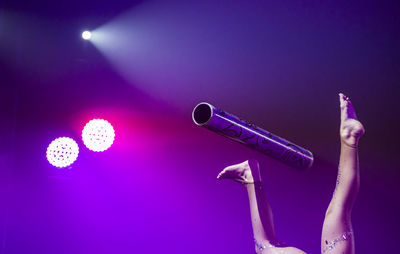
x,y
86,35
62,152
98,135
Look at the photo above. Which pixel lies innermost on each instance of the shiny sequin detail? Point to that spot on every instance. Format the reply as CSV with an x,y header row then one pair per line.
x,y
261,247
331,244
337,180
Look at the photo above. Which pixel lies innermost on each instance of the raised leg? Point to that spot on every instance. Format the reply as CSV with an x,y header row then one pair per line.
x,y
248,174
337,232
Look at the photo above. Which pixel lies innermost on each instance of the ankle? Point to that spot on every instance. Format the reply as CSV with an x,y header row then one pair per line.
x,y
258,185
353,144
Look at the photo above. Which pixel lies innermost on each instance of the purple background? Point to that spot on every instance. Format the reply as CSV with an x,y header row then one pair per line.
x,y
277,64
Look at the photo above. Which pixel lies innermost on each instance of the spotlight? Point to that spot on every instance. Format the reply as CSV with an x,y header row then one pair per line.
x,y
62,152
98,135
86,35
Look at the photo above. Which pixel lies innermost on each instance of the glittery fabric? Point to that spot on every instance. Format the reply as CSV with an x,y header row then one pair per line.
x,y
337,181
261,247
331,244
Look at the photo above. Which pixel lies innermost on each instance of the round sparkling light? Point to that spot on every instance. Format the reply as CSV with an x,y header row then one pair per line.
x,y
98,135
86,35
62,152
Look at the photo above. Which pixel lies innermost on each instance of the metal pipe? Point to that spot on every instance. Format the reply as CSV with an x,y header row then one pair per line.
x,y
242,131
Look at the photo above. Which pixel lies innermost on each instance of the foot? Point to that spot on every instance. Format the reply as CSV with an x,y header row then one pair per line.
x,y
350,128
240,173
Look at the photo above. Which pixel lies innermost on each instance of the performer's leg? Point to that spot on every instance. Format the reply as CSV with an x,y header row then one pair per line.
x,y
337,232
248,174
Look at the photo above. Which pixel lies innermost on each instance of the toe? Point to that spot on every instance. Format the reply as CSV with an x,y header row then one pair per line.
x,y
342,100
221,175
225,173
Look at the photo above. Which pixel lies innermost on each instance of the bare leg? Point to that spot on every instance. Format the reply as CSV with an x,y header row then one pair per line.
x,y
248,174
337,232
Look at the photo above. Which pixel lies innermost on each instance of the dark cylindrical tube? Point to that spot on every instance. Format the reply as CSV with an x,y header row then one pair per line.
x,y
230,126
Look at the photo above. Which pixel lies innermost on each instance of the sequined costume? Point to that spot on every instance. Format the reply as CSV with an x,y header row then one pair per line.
x,y
331,244
261,247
